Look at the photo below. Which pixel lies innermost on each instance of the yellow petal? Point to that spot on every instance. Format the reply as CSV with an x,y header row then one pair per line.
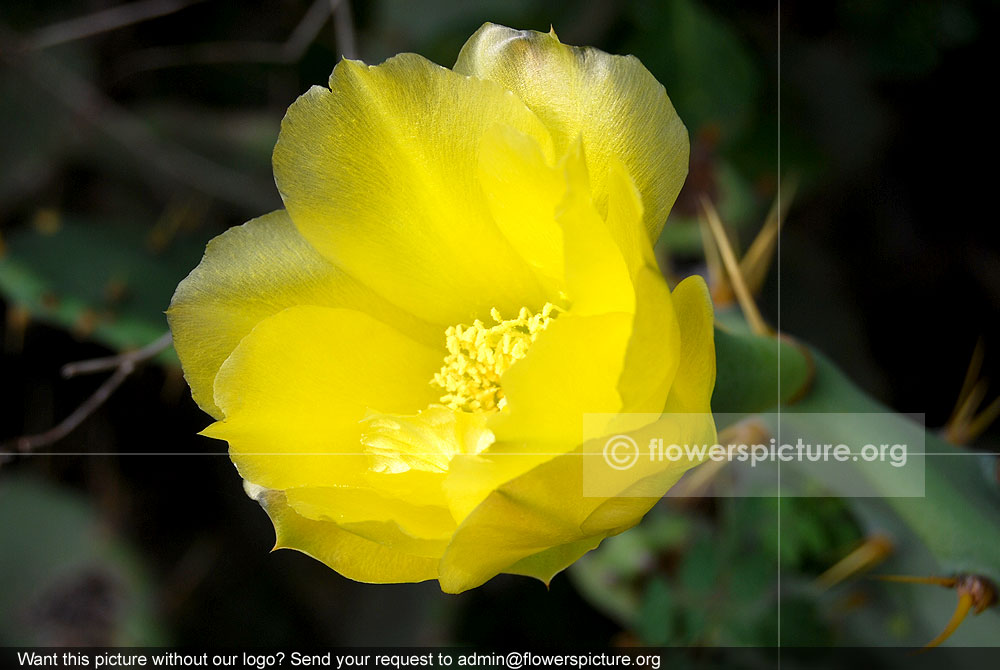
x,y
471,478
597,278
523,191
572,369
695,378
422,530
574,365
612,101
654,347
624,220
654,351
349,554
520,519
249,273
637,488
295,389
545,565
379,173
541,521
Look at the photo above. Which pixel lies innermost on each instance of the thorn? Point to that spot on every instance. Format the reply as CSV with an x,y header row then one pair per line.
x,y
984,420
47,221
115,290
747,304
722,292
947,582
967,410
696,482
18,320
961,611
965,424
85,323
758,258
975,593
869,553
971,374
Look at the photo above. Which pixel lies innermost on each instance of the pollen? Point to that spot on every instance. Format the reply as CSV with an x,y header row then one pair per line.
x,y
479,354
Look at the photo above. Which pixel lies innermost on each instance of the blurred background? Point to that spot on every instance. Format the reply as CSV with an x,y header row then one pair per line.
x,y
133,134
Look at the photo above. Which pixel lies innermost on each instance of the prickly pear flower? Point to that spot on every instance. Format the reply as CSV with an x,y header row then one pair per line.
x,y
401,359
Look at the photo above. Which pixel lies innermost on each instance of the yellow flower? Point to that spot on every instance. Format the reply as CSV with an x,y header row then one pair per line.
x,y
402,358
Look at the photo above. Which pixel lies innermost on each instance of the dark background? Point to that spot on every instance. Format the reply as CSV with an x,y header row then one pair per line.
x,y
125,151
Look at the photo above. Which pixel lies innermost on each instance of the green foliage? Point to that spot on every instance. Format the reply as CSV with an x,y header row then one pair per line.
x,y
736,202
64,580
712,580
711,76
752,370
960,503
116,296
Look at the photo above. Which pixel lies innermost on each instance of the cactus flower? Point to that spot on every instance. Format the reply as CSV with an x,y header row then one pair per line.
x,y
400,360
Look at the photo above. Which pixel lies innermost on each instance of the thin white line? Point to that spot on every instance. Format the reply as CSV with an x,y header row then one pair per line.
x,y
911,454
778,253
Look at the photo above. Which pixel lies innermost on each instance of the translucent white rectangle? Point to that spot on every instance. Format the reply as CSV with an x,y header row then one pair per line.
x,y
794,454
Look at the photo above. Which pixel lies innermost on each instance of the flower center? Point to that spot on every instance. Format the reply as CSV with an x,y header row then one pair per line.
x,y
426,441
478,355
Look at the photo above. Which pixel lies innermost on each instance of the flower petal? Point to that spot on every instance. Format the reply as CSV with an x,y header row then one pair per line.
x,y
597,277
379,173
352,505
295,389
653,350
517,520
694,381
574,365
612,101
349,554
249,273
553,507
545,565
523,191
572,369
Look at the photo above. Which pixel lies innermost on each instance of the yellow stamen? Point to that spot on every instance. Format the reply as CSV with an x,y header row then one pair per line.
x,y
478,355
426,441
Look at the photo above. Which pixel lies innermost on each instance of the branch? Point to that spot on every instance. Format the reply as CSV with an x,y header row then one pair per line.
x,y
103,22
343,27
123,365
277,53
111,362
89,103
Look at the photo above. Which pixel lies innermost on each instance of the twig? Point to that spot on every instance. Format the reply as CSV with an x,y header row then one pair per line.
x,y
123,366
103,21
90,104
284,53
111,362
343,28
27,443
